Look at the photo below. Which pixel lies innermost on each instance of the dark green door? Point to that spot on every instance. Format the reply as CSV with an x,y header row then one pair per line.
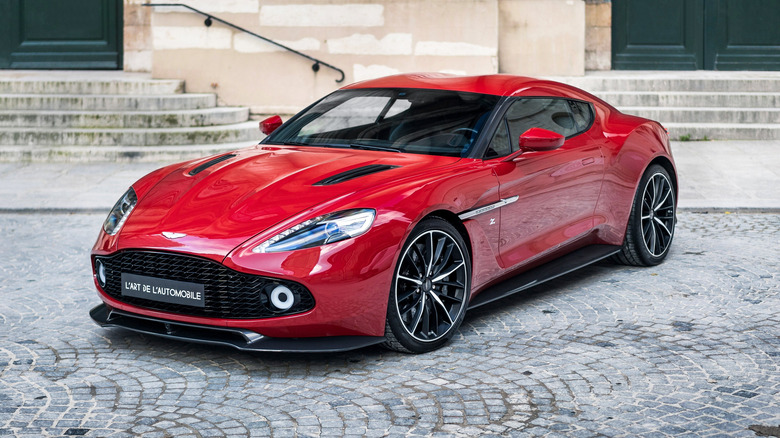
x,y
696,34
61,34
657,35
744,35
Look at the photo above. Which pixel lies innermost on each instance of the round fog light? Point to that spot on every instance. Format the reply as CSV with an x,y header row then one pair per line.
x,y
282,297
101,272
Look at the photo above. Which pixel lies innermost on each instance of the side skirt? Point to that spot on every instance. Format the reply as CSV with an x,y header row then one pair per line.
x,y
245,340
554,269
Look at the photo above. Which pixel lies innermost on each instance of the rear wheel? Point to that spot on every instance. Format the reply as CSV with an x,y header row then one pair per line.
x,y
430,288
651,223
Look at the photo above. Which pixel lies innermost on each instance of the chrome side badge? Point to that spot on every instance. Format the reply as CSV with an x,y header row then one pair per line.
x,y
172,235
471,213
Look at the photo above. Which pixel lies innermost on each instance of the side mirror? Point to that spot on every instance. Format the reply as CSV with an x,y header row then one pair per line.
x,y
538,139
270,124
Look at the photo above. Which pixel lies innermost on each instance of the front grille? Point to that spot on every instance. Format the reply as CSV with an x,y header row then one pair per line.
x,y
228,294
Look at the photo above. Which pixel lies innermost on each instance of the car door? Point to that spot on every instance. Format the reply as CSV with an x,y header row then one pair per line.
x,y
550,196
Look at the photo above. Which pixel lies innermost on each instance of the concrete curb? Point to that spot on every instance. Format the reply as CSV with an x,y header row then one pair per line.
x,y
715,177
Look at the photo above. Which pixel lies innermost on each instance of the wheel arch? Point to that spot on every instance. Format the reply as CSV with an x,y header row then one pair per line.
x,y
398,335
627,158
455,221
636,250
669,167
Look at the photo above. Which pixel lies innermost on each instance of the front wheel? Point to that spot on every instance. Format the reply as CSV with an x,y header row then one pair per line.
x,y
430,288
651,223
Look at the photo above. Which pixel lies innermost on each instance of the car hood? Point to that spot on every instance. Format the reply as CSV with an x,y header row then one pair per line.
x,y
225,203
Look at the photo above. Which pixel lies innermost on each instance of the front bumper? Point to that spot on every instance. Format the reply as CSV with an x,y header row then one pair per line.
x,y
349,282
227,293
241,339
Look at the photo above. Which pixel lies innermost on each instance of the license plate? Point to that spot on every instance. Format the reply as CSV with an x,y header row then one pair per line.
x,y
166,291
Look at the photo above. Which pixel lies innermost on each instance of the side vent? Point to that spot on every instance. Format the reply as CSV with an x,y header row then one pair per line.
x,y
354,173
210,163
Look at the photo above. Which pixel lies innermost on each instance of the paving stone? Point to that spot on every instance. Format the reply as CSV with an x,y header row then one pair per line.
x,y
687,348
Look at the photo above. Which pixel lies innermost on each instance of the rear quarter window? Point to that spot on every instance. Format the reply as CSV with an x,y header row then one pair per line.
x,y
564,116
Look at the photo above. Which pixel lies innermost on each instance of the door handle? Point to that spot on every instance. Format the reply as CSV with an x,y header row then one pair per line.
x,y
589,160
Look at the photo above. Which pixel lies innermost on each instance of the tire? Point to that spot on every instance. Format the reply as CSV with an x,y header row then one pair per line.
x,y
430,289
650,229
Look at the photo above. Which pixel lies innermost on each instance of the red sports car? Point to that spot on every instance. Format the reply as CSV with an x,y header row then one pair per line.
x,y
382,212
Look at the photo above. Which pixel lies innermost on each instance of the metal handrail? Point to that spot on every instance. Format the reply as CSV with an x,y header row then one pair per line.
x,y
209,22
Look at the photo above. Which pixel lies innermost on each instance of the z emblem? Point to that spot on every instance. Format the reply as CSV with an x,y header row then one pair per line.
x,y
492,221
172,235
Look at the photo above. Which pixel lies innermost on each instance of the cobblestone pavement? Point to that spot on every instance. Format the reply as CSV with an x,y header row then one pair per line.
x,y
688,348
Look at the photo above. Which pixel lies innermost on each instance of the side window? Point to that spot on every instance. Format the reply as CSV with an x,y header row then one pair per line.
x,y
582,114
566,117
499,144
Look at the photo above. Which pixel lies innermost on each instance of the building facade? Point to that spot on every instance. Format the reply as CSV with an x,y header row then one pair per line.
x,y
372,38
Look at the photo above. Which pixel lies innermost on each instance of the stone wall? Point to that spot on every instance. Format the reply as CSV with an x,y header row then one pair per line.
x,y
542,37
598,35
365,38
137,36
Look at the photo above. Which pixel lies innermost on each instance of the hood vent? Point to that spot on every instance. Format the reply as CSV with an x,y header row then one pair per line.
x,y
354,173
210,163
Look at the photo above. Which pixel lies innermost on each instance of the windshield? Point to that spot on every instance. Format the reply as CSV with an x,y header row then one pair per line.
x,y
434,122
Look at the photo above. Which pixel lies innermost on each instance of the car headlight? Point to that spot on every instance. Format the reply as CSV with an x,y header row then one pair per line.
x,y
119,213
329,228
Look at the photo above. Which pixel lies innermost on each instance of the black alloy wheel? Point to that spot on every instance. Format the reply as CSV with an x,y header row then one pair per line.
x,y
430,289
651,223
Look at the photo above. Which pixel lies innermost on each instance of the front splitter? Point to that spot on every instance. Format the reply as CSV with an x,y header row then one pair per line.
x,y
241,339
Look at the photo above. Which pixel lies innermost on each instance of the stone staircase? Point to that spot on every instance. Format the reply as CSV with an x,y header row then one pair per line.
x,y
695,104
113,116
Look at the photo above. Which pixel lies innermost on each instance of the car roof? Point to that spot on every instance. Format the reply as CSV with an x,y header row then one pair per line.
x,y
497,84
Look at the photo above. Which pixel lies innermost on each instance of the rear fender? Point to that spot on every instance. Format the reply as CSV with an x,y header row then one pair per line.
x,y
624,165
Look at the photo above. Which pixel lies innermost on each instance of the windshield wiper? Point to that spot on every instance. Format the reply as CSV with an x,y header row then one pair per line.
x,y
373,148
314,145
335,145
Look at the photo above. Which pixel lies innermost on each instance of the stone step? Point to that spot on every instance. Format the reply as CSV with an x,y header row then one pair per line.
x,y
239,132
706,115
124,119
686,81
115,154
106,102
86,86
691,99
723,131
594,85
